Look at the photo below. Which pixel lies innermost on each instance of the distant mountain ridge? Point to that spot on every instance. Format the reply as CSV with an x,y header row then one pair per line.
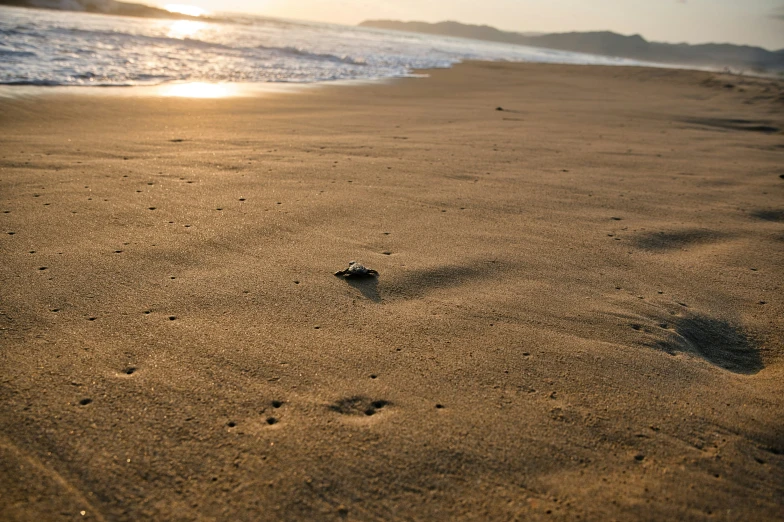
x,y
608,44
110,7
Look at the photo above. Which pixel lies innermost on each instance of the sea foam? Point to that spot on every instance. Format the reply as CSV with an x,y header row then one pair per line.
x,y
39,47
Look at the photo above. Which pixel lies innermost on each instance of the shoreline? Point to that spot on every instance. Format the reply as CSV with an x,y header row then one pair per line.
x,y
578,309
248,89
179,89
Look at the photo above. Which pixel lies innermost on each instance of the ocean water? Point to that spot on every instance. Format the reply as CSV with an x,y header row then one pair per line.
x,y
39,47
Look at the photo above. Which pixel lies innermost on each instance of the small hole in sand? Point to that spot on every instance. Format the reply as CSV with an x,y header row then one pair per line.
x,y
129,371
272,420
277,404
172,318
231,424
439,406
85,402
374,376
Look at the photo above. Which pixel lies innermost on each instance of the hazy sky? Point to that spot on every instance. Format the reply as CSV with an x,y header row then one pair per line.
x,y
754,22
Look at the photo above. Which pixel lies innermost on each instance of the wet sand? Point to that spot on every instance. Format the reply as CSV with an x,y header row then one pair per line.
x,y
579,312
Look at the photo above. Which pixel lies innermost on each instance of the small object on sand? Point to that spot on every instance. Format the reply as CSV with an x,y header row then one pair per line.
x,y
356,270
499,108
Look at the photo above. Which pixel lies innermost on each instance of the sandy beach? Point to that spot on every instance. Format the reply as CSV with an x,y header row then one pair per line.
x,y
579,313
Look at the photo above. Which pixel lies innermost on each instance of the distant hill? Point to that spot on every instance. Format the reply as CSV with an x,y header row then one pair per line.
x,y
111,7
608,44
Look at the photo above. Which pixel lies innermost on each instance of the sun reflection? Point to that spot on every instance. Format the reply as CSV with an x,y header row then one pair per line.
x,y
182,29
190,10
198,90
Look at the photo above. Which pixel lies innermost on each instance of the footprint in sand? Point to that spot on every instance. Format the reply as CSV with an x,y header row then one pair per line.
x,y
358,405
266,419
276,405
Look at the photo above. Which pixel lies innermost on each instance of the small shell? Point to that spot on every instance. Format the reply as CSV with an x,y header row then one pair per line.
x,y
356,269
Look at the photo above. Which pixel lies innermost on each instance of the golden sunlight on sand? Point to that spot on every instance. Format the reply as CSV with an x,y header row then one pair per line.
x,y
199,90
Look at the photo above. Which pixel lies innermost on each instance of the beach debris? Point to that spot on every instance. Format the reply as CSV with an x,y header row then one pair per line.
x,y
356,270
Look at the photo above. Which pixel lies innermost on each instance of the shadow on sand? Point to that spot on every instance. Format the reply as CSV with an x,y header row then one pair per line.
x,y
367,286
662,241
716,341
776,216
764,127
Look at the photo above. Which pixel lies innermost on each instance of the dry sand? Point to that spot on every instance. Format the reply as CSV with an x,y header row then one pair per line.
x,y
578,314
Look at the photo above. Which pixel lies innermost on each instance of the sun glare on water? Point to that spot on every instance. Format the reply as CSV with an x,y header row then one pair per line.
x,y
185,28
190,10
